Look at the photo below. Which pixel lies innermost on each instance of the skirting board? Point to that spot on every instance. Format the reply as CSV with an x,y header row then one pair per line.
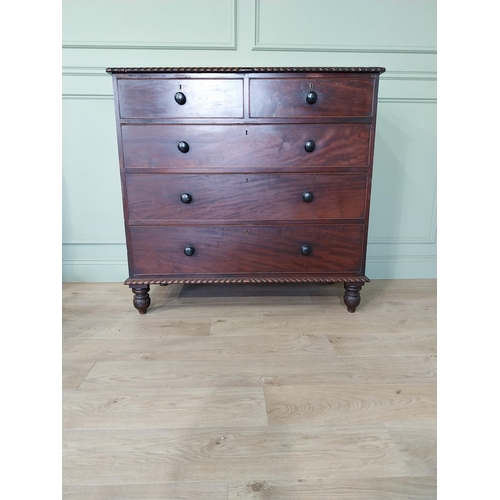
x,y
401,267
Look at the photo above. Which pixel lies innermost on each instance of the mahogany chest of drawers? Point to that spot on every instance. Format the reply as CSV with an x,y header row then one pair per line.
x,y
246,175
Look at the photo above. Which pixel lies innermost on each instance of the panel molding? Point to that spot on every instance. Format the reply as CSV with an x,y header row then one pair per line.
x,y
93,241
230,44
377,49
84,71
407,100
97,97
430,239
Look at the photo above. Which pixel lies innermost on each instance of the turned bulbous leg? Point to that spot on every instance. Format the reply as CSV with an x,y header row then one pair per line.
x,y
351,295
141,298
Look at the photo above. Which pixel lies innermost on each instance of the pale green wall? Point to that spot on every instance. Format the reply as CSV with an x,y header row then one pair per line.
x,y
398,35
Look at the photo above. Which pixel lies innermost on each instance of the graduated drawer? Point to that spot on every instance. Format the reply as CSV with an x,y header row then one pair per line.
x,y
159,146
204,98
335,97
160,250
167,197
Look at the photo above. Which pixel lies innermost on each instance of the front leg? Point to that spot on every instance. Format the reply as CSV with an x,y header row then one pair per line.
x,y
141,298
351,295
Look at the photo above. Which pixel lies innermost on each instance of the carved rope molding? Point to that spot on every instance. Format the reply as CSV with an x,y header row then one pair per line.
x,y
250,70
200,281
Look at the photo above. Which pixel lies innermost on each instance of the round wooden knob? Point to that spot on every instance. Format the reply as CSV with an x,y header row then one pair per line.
x,y
309,146
311,97
306,250
189,251
186,198
180,98
308,197
183,147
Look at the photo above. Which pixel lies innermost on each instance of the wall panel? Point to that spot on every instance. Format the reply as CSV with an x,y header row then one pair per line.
x,y
400,36
149,24
346,26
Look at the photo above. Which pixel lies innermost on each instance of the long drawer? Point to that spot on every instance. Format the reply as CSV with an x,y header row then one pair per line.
x,y
180,146
180,98
170,250
171,197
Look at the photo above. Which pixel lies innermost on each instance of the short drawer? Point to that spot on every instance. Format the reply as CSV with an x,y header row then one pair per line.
x,y
196,98
317,248
171,197
311,97
178,146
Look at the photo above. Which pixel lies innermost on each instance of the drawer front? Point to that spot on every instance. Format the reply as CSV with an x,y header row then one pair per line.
x,y
334,97
157,197
235,249
158,146
204,98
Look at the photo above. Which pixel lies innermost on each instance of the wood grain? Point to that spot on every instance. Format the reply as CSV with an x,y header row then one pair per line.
x,y
279,97
319,320
261,147
193,348
159,250
344,404
391,344
166,409
228,372
394,488
134,329
178,455
73,373
312,403
152,491
417,443
156,197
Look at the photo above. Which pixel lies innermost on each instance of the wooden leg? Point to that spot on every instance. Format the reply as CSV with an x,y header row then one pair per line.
x,y
141,298
351,295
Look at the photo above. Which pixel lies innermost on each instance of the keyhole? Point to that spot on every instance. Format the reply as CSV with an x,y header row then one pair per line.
x,y
246,180
311,85
246,132
180,86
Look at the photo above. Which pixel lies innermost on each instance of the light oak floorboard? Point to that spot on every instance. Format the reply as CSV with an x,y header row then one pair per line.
x,y
318,320
349,404
178,455
249,392
394,488
390,369
170,408
135,328
389,344
73,373
228,372
417,443
98,312
150,491
202,348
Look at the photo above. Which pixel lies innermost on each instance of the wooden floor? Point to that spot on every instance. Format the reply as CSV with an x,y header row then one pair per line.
x,y
250,392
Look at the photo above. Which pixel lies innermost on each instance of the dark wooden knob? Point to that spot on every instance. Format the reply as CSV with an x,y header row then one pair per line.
x,y
183,147
305,250
189,251
180,98
186,198
309,146
311,97
308,197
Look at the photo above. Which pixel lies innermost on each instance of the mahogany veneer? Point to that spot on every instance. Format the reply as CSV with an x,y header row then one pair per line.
x,y
246,175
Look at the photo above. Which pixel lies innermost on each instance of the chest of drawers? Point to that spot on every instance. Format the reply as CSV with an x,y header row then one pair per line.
x,y
246,175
